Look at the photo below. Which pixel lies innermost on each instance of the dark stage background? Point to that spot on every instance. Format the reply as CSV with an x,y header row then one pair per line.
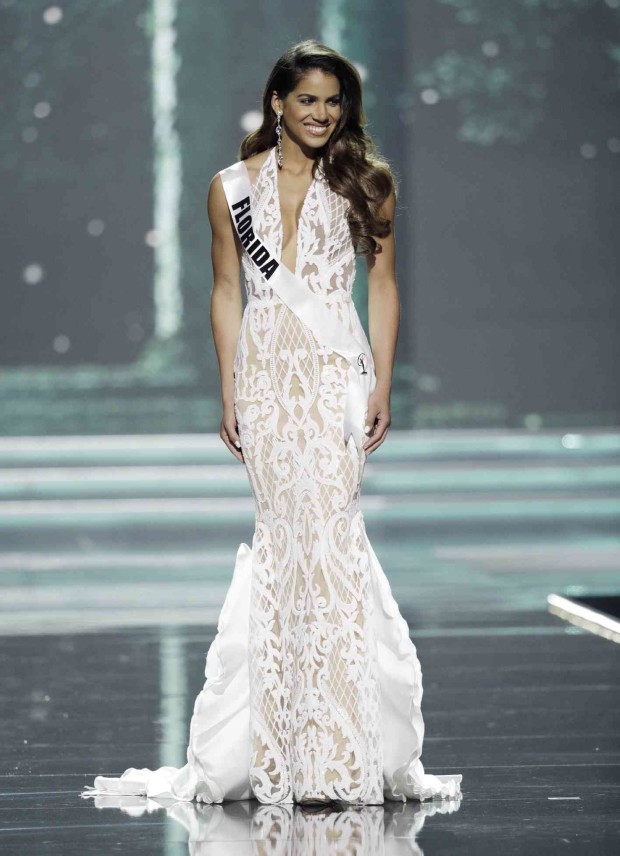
x,y
501,119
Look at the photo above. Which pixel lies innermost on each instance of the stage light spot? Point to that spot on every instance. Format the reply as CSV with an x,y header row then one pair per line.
x,y
490,49
533,421
588,150
613,144
571,441
32,79
52,15
61,344
95,228
429,96
151,239
29,134
42,110
33,274
251,121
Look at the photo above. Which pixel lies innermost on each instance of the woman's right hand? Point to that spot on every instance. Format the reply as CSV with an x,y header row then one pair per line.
x,y
229,434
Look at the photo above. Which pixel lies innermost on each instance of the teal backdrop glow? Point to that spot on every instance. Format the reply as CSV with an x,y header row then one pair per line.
x,y
500,119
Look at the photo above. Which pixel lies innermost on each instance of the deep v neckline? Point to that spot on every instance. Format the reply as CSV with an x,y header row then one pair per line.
x,y
278,206
270,161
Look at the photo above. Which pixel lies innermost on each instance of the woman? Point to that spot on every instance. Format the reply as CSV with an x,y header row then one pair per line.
x,y
313,687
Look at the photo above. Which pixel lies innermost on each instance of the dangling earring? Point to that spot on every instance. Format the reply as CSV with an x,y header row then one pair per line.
x,y
279,133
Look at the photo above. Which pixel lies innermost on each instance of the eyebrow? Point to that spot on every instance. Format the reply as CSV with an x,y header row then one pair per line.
x,y
310,95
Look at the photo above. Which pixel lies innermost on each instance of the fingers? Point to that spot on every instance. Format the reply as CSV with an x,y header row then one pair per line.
x,y
230,436
370,426
371,418
377,435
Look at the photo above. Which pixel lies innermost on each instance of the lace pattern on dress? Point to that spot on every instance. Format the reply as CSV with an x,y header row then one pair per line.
x,y
315,702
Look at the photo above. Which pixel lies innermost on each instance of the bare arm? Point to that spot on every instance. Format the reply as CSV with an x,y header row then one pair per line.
x,y
383,324
226,305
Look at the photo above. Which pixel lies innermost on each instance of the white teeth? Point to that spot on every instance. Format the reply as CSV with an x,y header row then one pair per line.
x,y
319,130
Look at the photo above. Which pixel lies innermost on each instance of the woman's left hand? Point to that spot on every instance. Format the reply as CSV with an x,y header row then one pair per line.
x,y
378,420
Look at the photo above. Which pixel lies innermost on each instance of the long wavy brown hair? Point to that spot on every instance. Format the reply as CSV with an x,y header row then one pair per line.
x,y
353,167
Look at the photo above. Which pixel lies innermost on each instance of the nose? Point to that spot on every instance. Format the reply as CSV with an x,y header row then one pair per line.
x,y
320,112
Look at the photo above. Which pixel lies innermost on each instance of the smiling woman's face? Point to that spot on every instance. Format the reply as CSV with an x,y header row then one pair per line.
x,y
310,112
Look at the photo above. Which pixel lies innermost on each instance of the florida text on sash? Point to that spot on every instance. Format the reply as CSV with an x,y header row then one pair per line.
x,y
260,255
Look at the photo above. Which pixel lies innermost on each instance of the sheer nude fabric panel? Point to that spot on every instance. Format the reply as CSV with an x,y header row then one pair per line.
x,y
315,705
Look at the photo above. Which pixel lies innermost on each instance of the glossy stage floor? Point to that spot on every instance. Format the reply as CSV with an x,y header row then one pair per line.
x,y
116,554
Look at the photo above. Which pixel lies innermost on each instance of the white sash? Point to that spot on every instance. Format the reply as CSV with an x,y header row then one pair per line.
x,y
309,308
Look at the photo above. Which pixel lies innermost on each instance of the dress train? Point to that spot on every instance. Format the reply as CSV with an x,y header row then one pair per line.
x,y
219,742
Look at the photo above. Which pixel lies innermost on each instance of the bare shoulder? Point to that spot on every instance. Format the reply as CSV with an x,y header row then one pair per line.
x,y
253,165
216,200
255,162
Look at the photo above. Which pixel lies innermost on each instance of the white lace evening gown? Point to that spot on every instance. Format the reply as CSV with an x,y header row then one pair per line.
x,y
313,687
